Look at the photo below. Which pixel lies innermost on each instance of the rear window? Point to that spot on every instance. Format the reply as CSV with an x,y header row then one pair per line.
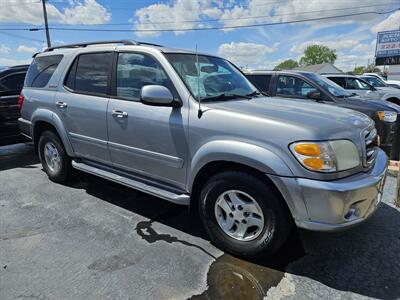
x,y
12,82
260,81
41,70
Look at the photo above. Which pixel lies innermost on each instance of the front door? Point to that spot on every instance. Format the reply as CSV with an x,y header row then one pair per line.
x,y
82,105
146,140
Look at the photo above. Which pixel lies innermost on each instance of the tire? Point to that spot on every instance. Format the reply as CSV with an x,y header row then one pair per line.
x,y
272,217
61,170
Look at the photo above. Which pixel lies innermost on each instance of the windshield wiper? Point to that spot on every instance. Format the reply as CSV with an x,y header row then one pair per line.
x,y
224,96
257,93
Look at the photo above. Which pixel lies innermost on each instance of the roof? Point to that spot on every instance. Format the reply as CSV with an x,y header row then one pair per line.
x,y
317,68
121,43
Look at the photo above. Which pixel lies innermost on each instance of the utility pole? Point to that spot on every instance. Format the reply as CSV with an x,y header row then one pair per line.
x,y
46,24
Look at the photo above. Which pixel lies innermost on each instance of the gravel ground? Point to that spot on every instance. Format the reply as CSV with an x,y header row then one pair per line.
x,y
97,240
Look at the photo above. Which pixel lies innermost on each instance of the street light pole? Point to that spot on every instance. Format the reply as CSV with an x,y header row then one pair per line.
x,y
46,24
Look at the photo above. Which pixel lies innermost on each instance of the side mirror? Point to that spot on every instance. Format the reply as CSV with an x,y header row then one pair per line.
x,y
315,95
158,95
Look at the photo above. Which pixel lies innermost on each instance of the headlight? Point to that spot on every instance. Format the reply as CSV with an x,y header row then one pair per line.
x,y
387,116
329,156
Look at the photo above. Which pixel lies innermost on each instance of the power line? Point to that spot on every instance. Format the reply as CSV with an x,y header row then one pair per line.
x,y
246,18
204,28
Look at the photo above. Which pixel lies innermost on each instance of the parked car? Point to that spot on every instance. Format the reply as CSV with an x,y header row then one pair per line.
x,y
363,88
391,83
11,83
249,165
309,86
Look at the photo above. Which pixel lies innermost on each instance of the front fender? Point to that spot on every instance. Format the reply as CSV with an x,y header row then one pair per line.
x,y
50,117
251,155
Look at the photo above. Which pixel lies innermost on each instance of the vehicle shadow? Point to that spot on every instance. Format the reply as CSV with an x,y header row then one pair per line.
x,y
17,156
364,260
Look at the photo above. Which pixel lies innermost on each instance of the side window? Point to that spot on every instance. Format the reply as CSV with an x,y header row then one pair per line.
x,y
41,70
355,84
135,70
339,81
89,73
260,81
12,83
293,87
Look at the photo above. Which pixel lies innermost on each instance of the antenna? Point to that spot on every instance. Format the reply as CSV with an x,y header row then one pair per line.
x,y
199,111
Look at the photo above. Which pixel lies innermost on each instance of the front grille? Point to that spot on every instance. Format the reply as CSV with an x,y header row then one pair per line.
x,y
371,144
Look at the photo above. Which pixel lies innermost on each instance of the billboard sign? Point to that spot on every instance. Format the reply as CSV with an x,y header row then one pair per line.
x,y
388,48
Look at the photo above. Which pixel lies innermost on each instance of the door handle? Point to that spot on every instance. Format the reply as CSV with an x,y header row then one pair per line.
x,y
61,104
119,113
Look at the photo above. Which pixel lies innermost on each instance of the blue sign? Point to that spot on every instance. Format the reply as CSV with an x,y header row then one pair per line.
x,y
388,44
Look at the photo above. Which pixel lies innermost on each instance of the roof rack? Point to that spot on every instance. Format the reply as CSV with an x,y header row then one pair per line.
x,y
124,42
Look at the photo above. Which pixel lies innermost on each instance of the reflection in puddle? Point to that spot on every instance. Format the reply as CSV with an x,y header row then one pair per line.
x,y
233,278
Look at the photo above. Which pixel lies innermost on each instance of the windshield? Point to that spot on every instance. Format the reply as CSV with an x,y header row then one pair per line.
x,y
374,81
218,80
328,85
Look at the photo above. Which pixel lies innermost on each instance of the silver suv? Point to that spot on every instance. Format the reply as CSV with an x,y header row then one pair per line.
x,y
190,128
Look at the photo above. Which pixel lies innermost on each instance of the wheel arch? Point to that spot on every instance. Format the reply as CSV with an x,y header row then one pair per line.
x,y
46,120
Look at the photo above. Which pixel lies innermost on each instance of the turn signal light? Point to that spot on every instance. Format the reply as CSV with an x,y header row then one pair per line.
x,y
308,149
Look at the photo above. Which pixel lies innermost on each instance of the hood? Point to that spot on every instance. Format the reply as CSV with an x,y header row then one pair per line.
x,y
316,117
388,89
368,104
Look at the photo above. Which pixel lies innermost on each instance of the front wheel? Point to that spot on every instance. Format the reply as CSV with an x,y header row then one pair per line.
x,y
243,215
53,157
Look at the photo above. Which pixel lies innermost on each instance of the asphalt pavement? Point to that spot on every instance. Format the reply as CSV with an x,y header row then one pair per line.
x,y
93,239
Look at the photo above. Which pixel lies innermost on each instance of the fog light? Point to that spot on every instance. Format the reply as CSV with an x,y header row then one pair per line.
x,y
352,213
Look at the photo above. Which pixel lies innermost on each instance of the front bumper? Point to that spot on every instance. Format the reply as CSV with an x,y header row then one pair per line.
x,y
338,204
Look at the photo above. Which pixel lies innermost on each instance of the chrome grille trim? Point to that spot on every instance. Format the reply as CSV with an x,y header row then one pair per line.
x,y
370,150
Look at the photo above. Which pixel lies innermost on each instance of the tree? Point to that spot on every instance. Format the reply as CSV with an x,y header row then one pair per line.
x,y
317,54
359,70
287,65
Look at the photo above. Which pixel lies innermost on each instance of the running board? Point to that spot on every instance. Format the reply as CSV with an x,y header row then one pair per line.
x,y
182,199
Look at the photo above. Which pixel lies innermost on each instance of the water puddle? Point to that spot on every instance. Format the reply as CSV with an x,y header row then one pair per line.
x,y
233,278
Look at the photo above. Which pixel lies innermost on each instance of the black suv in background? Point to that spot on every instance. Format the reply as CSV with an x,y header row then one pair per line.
x,y
310,86
11,83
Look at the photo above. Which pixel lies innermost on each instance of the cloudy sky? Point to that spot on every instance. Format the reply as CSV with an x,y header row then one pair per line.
x,y
258,46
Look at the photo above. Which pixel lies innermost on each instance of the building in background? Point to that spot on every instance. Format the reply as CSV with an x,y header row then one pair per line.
x,y
388,52
326,68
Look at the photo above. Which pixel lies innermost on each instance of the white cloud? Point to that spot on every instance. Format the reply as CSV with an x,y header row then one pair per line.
x,y
26,49
190,14
251,55
14,62
390,23
4,49
78,12
182,14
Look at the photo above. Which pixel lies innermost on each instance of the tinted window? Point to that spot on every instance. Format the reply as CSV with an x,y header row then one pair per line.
x,y
12,83
41,70
135,70
339,81
356,84
90,73
293,86
260,81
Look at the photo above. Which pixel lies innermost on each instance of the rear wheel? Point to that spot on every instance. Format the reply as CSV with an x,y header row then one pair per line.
x,y
243,215
53,157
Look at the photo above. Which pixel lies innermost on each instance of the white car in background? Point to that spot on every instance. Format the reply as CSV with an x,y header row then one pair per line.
x,y
390,83
362,87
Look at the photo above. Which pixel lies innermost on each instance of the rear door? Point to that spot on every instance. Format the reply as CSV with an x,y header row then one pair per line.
x,y
82,104
10,88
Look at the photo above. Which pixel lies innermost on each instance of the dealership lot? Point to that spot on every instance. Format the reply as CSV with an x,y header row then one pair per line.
x,y
98,240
